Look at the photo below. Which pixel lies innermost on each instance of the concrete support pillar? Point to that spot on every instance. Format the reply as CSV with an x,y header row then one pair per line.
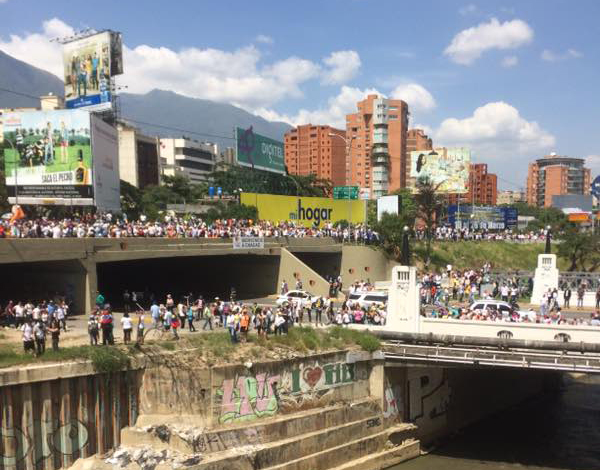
x,y
116,408
99,410
11,439
377,382
28,428
47,426
66,443
91,283
83,417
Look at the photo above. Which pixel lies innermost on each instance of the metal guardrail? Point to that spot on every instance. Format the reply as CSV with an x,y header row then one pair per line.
x,y
492,357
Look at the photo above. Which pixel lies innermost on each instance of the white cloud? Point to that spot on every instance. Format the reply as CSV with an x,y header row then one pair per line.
x,y
549,56
3,1
498,130
333,114
468,45
510,61
342,66
467,9
417,97
593,163
36,48
241,77
263,38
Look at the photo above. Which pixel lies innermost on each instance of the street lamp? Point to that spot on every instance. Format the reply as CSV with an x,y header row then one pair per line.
x,y
405,256
548,249
347,178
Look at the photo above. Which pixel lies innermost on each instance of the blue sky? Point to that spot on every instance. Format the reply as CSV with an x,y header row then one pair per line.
x,y
513,80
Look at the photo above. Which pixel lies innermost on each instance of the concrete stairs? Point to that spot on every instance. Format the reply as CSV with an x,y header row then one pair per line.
x,y
343,436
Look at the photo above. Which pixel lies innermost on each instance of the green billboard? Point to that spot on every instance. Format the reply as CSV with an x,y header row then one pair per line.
x,y
260,152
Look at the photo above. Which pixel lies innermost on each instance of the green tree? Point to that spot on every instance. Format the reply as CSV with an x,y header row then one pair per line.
x,y
391,229
429,204
581,249
131,200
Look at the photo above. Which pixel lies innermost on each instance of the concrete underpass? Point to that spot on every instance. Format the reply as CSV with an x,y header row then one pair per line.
x,y
210,276
33,281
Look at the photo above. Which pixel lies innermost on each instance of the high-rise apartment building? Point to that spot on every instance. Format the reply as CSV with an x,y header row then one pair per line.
x,y
556,175
482,187
316,150
416,139
377,135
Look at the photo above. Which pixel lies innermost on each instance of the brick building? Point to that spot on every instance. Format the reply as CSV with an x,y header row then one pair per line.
x,y
377,138
416,139
311,149
556,175
482,187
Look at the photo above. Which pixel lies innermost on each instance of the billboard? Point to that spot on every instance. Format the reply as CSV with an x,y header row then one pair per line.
x,y
447,167
389,204
483,217
88,65
49,159
260,152
306,211
105,148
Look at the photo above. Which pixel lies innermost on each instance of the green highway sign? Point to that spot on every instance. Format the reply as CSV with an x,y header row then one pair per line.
x,y
345,192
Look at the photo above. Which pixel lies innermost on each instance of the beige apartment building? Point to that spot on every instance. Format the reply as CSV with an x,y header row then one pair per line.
x,y
377,139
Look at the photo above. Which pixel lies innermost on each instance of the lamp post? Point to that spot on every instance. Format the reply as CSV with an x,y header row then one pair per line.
x,y
16,170
348,143
405,256
548,249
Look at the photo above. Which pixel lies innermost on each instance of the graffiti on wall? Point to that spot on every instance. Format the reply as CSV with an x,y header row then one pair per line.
x,y
429,395
246,398
55,437
390,402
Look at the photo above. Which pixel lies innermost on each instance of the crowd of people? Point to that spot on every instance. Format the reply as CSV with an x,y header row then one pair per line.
x,y
447,233
109,226
36,321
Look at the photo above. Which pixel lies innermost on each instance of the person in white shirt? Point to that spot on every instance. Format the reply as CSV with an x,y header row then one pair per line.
x,y
28,343
127,326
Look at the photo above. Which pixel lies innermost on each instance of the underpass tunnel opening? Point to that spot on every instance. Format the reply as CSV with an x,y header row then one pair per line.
x,y
325,264
252,276
43,281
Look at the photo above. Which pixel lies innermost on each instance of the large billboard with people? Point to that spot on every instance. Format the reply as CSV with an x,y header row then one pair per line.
x,y
260,152
447,168
306,211
89,63
49,157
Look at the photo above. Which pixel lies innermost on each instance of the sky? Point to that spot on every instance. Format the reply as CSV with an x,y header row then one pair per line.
x,y
512,80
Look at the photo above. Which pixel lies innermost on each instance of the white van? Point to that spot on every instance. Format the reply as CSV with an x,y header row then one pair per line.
x,y
367,298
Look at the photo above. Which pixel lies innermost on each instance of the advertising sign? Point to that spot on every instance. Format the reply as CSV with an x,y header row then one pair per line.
x,y
483,217
446,167
105,148
389,204
257,151
306,211
50,159
61,157
595,187
87,72
345,192
248,243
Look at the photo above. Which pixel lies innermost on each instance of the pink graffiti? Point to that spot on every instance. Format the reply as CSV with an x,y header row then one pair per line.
x,y
248,398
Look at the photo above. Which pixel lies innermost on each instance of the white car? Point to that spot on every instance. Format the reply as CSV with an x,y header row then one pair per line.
x,y
306,298
367,298
503,307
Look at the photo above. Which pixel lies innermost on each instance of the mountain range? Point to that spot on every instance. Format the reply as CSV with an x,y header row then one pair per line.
x,y
158,112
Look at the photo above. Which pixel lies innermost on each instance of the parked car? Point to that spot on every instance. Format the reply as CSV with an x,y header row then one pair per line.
x,y
368,298
306,298
503,307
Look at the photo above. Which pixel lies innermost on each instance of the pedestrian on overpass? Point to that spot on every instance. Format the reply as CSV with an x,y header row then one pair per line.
x,y
580,294
567,297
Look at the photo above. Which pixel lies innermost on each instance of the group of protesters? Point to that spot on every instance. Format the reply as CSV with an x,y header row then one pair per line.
x,y
447,233
109,226
36,321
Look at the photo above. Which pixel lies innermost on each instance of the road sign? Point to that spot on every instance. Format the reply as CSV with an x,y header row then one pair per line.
x,y
596,187
345,192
